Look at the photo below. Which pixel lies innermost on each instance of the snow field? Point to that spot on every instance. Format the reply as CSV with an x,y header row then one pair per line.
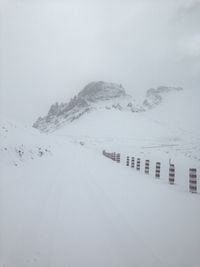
x,y
75,208
78,208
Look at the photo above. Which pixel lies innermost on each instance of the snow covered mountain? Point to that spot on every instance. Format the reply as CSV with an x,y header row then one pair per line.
x,y
59,193
154,96
164,121
96,96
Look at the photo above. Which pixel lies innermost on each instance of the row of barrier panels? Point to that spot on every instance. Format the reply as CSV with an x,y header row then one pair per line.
x,y
131,162
114,156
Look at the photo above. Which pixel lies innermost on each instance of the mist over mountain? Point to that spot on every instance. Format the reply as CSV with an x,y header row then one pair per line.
x,y
99,146
99,95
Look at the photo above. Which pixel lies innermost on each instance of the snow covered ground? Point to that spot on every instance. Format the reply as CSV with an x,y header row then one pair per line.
x,y
63,204
169,132
77,208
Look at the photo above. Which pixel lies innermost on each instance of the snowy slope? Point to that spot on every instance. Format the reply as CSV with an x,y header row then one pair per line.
x,y
172,126
177,115
77,208
99,96
168,133
70,206
20,143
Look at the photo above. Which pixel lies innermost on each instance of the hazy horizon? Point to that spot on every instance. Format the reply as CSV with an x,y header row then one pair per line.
x,y
51,49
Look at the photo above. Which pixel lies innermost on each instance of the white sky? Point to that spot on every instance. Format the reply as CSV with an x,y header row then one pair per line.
x,y
50,49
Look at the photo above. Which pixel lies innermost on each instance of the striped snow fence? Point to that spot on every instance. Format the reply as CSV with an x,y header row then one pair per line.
x,y
127,161
171,173
118,157
157,174
108,155
105,153
147,162
132,162
138,164
192,171
193,180
114,156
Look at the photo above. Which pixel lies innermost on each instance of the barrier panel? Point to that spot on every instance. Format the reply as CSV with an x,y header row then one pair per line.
x,y
171,173
147,162
157,174
193,180
118,158
138,164
127,161
132,162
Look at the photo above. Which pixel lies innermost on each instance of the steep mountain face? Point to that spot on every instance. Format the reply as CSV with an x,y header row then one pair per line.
x,y
98,91
98,95
91,97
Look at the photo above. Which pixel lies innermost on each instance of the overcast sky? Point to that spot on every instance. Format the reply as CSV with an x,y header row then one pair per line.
x,y
50,49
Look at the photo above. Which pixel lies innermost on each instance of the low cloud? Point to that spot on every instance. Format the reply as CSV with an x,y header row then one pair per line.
x,y
51,49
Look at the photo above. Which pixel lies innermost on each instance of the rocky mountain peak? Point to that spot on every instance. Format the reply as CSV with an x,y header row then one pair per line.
x,y
98,95
154,96
96,91
86,100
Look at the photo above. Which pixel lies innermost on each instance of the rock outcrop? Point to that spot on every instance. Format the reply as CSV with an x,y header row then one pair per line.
x,y
98,95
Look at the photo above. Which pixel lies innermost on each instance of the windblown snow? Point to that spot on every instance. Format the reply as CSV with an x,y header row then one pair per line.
x,y
63,204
